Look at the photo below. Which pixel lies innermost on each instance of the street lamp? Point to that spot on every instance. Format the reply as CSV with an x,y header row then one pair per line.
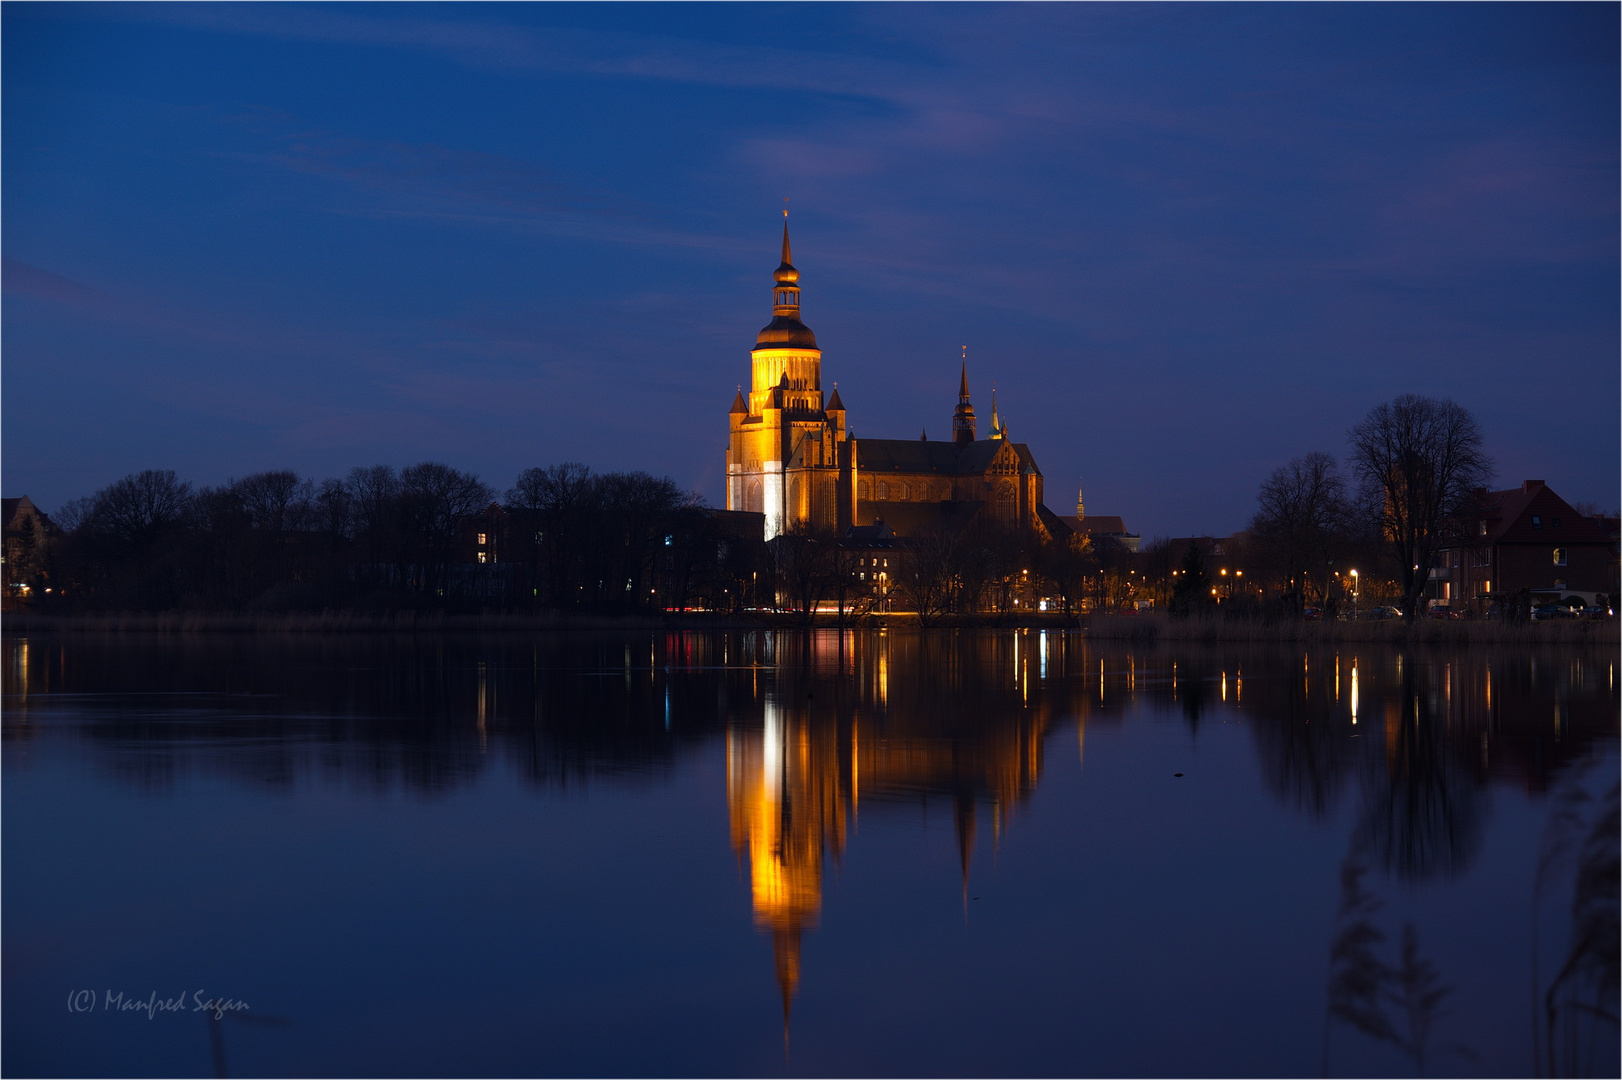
x,y
1355,592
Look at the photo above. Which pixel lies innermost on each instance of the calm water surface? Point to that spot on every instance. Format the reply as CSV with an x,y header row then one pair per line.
x,y
1001,853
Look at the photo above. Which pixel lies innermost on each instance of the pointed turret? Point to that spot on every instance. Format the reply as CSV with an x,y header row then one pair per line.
x,y
738,404
963,418
834,404
997,431
1081,508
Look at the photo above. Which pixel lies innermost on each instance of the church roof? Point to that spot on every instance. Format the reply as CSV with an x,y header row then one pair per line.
x,y
738,405
948,458
1103,524
834,402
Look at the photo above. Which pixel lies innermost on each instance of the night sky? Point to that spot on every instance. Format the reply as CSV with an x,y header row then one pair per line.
x,y
1185,243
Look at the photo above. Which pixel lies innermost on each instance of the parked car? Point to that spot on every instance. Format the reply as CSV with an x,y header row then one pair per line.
x,y
1312,614
1385,613
1442,612
1592,612
1552,611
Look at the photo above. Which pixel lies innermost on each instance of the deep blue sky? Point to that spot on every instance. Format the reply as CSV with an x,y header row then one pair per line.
x,y
1186,243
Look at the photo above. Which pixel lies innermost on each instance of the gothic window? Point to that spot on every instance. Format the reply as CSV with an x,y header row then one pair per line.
x,y
884,490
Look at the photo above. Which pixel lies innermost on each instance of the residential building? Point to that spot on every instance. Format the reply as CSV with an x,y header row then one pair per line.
x,y
1523,538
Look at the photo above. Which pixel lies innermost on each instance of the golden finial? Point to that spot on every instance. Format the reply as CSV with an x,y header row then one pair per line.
x,y
785,207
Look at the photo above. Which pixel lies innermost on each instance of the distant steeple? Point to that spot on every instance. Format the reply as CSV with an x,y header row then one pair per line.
x,y
1081,508
963,418
997,431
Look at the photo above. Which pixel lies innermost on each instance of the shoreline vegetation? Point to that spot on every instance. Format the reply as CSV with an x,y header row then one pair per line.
x,y
1146,628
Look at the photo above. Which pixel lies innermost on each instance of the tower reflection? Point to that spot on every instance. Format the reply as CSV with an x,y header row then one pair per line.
x,y
893,720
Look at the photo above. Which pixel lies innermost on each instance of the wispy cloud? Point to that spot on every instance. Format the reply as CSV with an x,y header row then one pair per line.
x,y
496,44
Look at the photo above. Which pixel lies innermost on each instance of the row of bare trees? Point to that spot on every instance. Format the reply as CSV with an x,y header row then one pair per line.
x,y
1415,467
378,537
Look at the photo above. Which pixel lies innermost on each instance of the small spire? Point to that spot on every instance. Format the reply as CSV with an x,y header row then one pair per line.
x,y
923,434
1081,507
963,418
997,431
787,258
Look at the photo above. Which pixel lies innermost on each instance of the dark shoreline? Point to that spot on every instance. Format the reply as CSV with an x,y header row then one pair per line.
x,y
1146,628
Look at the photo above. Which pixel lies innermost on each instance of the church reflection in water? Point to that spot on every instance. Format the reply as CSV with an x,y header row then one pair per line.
x,y
820,726
915,727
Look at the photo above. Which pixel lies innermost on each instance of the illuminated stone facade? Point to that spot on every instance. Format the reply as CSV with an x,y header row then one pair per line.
x,y
791,457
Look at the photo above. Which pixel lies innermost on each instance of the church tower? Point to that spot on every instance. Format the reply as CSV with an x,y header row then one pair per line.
x,y
789,455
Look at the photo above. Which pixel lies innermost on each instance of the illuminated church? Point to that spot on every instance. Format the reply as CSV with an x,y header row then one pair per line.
x,y
792,457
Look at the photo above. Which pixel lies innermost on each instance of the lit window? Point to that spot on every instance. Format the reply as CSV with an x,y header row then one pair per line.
x,y
484,556
481,538
1560,556
1537,522
1481,528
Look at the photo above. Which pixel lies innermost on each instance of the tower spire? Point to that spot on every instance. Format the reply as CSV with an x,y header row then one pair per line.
x,y
996,423
963,418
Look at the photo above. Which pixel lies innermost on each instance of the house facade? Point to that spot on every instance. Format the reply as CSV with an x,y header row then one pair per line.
x,y
1523,538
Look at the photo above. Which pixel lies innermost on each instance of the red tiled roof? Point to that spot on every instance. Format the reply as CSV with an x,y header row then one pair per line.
x,y
1509,516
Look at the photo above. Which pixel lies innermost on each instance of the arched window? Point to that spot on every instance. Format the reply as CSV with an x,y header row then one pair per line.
x,y
884,491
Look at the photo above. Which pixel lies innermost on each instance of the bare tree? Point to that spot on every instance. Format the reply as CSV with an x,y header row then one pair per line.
x,y
1301,515
931,579
436,499
807,567
555,502
274,501
140,508
1422,457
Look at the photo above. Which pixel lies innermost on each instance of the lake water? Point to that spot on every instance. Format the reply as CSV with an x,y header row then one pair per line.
x,y
942,854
